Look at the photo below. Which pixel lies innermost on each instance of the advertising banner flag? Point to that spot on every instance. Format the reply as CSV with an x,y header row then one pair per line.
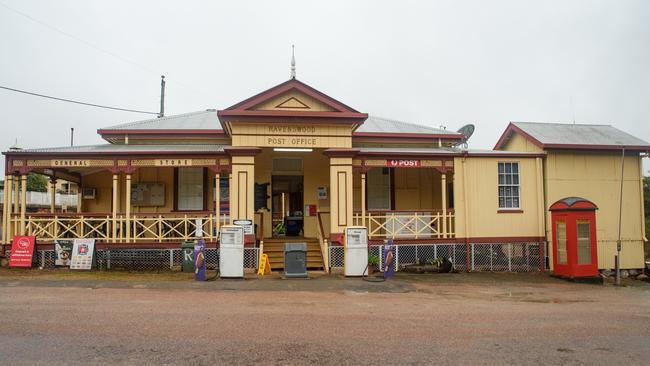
x,y
22,251
199,261
63,252
83,251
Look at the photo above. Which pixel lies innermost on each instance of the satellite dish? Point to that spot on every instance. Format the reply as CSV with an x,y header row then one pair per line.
x,y
467,132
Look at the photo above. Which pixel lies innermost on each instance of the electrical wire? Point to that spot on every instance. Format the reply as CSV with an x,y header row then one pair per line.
x,y
76,101
91,45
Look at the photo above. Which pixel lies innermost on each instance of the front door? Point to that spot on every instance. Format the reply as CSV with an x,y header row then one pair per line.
x,y
287,205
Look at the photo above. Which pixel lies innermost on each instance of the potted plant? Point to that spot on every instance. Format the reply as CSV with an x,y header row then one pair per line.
x,y
373,263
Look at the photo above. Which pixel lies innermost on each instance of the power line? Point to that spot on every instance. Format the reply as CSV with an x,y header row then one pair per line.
x,y
91,45
76,38
76,101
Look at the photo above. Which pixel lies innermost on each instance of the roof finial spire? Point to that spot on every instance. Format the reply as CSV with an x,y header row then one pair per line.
x,y
293,62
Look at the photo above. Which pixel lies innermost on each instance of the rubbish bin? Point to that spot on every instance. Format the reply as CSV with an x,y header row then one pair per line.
x,y
188,256
295,260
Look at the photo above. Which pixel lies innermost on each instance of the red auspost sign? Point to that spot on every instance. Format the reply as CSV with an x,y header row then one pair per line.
x,y
22,251
403,163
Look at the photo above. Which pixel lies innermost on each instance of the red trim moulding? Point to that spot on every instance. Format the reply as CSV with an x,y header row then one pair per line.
x,y
400,134
100,245
108,155
520,239
154,132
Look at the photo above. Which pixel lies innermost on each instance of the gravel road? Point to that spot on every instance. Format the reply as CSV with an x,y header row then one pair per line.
x,y
456,319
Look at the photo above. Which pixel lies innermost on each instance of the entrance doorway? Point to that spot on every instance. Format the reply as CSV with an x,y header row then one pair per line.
x,y
287,205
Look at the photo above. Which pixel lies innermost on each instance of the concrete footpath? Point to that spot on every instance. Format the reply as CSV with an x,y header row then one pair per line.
x,y
61,317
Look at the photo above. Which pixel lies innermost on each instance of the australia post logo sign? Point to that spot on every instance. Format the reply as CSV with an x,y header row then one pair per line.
x,y
402,163
22,251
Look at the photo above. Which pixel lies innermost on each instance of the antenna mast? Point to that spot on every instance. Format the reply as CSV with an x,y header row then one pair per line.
x,y
162,96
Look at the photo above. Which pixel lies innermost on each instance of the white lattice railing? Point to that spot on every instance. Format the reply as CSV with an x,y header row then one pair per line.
x,y
146,228
408,225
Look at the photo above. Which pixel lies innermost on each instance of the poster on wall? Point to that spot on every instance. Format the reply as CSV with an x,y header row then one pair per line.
x,y
22,251
322,193
63,252
148,194
83,251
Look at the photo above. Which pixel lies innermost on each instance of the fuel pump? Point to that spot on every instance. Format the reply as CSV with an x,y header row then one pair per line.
x,y
231,252
356,251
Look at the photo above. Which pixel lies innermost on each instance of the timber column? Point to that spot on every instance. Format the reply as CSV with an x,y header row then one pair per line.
x,y
115,200
128,205
242,184
340,191
6,213
23,202
443,194
52,194
216,170
363,197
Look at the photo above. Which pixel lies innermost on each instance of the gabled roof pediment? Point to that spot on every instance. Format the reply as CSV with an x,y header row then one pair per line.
x,y
292,99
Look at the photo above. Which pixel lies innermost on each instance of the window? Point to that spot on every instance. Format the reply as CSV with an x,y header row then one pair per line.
x,y
190,189
584,242
378,183
560,233
224,194
509,185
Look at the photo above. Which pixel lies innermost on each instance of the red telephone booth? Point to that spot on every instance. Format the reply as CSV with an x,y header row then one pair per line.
x,y
574,238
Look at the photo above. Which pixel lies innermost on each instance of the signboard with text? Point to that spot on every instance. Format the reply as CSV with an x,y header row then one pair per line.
x,y
246,224
403,163
83,251
22,251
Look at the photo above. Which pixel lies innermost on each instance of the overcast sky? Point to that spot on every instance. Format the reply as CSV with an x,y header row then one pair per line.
x,y
431,62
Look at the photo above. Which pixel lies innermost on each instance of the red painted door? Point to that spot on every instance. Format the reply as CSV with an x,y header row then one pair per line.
x,y
561,226
584,251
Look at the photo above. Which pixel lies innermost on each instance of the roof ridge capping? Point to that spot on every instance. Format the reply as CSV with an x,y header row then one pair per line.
x,y
562,123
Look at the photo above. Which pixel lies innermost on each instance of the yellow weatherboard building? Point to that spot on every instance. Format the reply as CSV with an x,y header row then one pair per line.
x,y
302,165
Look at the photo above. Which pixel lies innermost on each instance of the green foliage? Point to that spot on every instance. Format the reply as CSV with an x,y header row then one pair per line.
x,y
435,262
36,182
373,260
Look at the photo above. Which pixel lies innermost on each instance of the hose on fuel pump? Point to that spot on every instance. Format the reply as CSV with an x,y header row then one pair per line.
x,y
388,262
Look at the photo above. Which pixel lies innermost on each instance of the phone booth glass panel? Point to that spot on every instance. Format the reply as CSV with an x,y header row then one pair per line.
x,y
574,238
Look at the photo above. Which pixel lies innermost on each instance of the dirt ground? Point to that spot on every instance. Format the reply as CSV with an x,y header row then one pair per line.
x,y
59,317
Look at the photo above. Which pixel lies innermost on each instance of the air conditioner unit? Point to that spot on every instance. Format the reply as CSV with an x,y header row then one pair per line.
x,y
88,193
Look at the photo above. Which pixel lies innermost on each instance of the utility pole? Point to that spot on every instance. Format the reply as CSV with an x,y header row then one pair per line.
x,y
162,96
617,262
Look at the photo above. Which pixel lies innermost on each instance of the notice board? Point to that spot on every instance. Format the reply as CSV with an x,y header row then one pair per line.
x,y
148,194
83,251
